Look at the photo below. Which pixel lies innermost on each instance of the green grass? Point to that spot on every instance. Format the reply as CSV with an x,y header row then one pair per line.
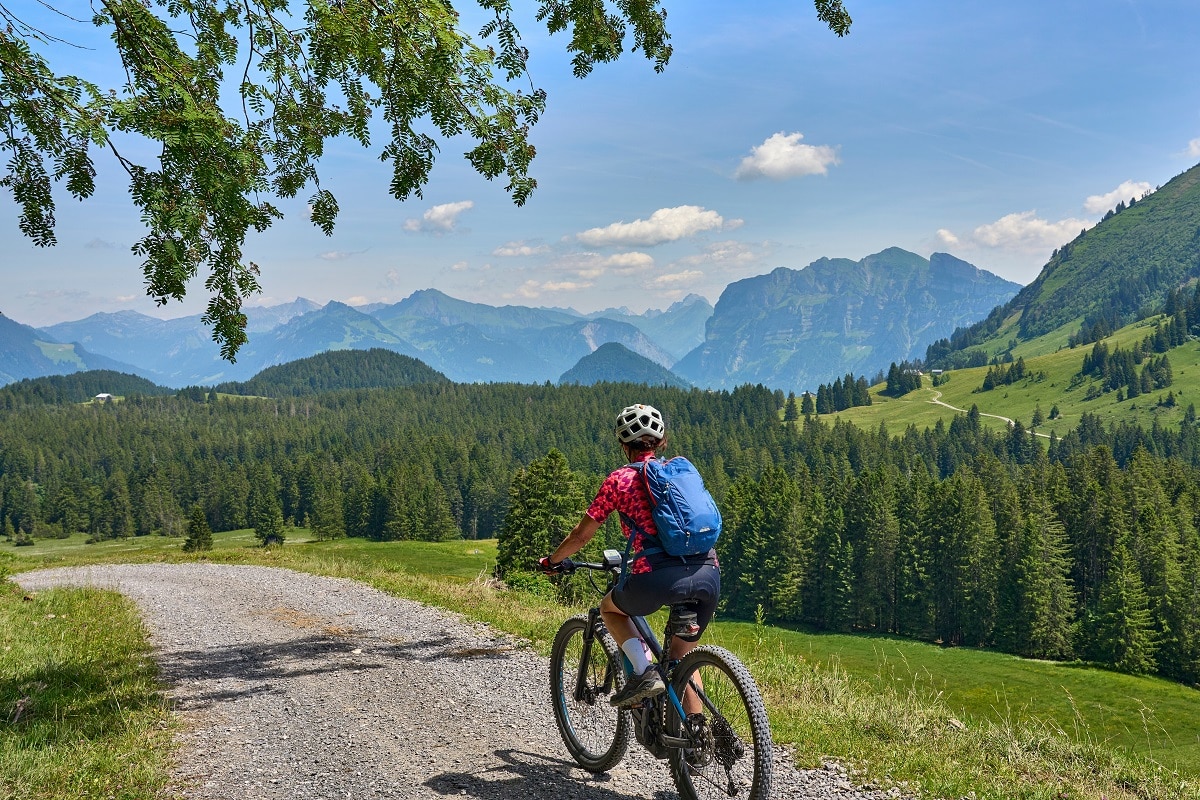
x,y
60,353
951,721
81,715
1054,365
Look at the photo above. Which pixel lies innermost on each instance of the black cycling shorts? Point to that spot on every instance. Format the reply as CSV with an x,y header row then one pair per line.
x,y
697,586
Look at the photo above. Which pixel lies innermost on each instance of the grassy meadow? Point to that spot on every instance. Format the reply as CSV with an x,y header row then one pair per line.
x,y
1052,366
946,721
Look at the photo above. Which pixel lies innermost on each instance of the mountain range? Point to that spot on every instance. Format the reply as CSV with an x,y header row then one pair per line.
x,y
790,329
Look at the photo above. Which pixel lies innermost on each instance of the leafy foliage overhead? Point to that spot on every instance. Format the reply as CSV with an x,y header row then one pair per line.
x,y
243,96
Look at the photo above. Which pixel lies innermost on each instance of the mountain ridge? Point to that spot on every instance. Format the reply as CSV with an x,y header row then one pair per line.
x,y
475,342
789,327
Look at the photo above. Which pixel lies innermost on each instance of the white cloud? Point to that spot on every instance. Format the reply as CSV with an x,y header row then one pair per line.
x,y
440,218
1100,203
339,255
1193,148
520,249
97,243
357,300
459,266
687,276
782,156
628,263
946,237
532,290
592,265
664,225
728,253
1025,231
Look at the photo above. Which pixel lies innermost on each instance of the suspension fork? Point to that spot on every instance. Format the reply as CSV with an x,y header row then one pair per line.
x,y
594,624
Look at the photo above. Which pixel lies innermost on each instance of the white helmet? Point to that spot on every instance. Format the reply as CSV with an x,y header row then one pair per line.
x,y
637,421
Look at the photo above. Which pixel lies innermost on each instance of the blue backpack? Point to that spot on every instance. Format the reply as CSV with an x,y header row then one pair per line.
x,y
685,514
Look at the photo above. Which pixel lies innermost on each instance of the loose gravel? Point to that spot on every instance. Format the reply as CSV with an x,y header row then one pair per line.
x,y
302,687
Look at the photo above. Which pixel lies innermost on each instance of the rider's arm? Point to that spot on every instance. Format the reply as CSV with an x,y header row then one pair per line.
x,y
579,536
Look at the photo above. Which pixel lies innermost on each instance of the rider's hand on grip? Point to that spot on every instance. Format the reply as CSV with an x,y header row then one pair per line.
x,y
550,568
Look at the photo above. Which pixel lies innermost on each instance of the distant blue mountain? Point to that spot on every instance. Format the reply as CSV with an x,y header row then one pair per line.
x,y
615,363
26,352
790,329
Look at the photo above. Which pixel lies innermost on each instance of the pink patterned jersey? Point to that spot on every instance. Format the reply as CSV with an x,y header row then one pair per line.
x,y
624,491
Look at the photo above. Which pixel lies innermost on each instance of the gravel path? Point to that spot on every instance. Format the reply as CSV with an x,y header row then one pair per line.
x,y
296,686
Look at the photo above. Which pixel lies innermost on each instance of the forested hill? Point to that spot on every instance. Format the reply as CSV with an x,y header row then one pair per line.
x,y
77,387
336,369
1140,253
616,363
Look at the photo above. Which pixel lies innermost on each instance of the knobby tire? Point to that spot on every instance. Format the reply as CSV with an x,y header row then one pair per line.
x,y
595,733
733,756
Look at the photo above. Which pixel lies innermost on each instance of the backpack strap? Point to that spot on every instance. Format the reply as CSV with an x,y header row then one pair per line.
x,y
640,468
633,526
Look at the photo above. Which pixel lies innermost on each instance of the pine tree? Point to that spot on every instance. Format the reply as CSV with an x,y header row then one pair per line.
x,y
873,530
545,502
1047,610
790,412
199,534
1120,633
267,514
328,520
807,406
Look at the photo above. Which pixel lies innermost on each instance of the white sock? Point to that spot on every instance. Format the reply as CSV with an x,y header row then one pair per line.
x,y
636,654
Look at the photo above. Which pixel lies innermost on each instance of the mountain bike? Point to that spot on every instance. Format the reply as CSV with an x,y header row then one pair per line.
x,y
721,750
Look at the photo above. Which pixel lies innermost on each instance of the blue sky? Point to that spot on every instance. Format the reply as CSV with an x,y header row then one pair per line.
x,y
992,131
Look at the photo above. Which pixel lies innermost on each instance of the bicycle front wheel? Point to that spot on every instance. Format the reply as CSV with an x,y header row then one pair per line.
x,y
730,752
583,675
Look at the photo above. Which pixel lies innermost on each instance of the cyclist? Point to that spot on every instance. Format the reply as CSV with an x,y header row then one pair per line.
x,y
651,580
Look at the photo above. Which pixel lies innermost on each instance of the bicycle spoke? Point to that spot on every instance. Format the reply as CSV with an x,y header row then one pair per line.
x,y
582,679
731,746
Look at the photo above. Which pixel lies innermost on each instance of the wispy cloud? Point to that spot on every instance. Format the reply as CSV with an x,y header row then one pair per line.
x,y
1100,203
99,244
729,254
1193,148
947,237
590,266
439,219
532,289
664,225
340,255
783,156
520,249
675,278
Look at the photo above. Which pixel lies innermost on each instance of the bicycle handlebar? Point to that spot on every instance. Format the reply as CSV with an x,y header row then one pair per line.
x,y
613,561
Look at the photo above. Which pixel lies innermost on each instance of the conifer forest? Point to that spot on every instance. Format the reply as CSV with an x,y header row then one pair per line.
x,y
1086,548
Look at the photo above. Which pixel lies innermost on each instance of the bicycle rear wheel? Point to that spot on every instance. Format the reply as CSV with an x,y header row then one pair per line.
x,y
583,675
731,752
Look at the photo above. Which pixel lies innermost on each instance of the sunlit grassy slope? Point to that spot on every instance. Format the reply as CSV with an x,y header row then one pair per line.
x,y
1051,366
889,705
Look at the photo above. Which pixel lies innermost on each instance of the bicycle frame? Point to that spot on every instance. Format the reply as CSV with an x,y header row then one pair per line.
x,y
649,717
